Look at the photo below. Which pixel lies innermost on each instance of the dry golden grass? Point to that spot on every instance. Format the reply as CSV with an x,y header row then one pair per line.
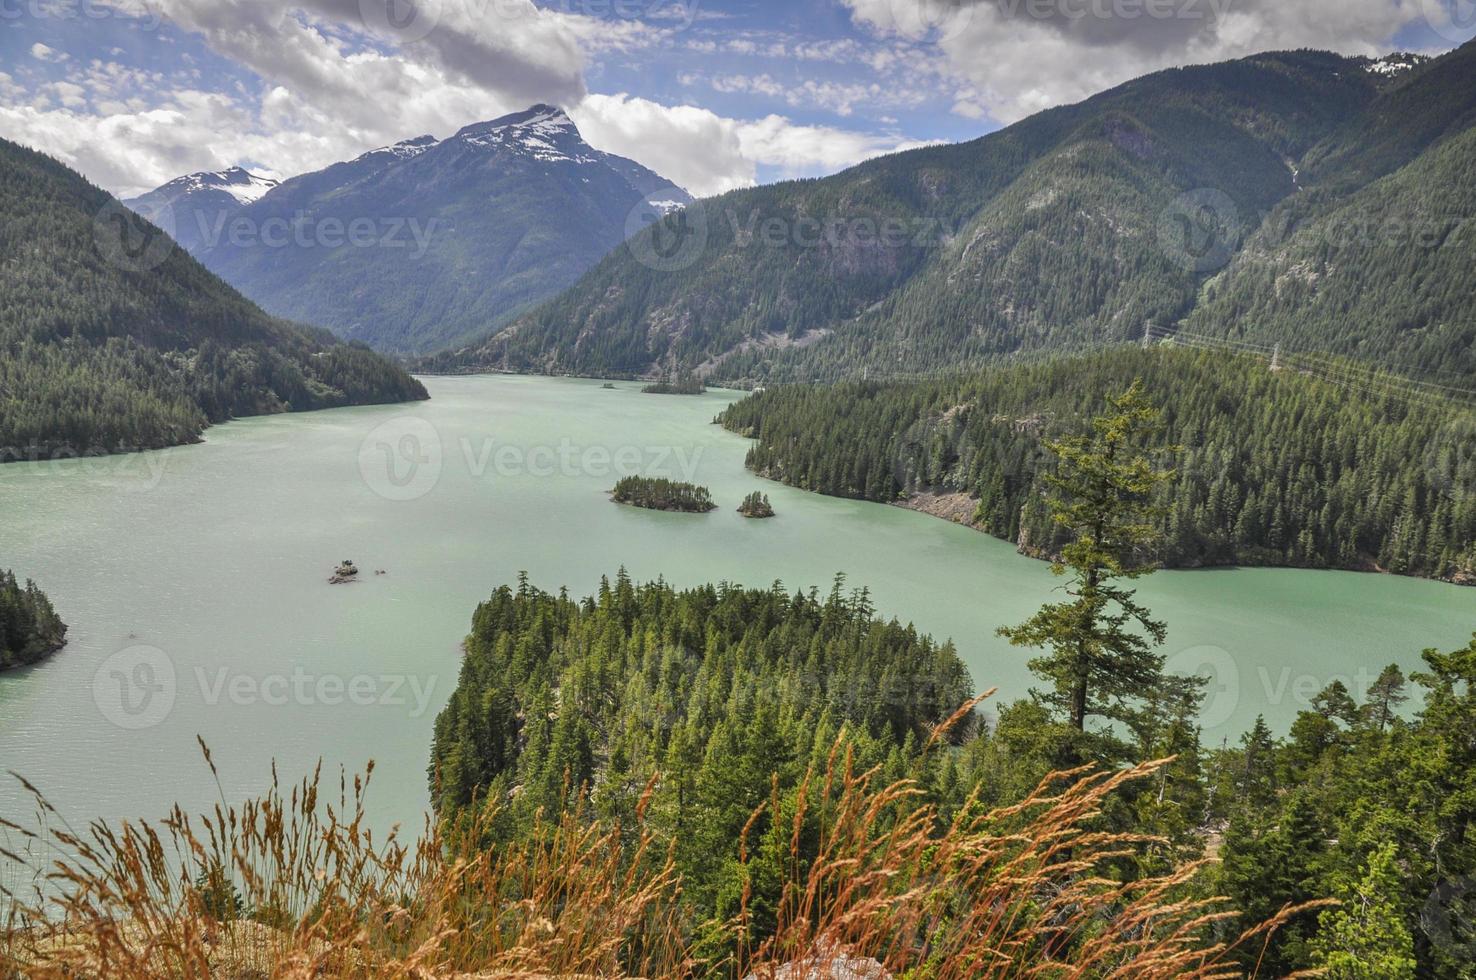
x,y
315,895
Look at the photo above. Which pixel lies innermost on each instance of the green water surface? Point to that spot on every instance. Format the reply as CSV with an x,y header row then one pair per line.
x,y
194,581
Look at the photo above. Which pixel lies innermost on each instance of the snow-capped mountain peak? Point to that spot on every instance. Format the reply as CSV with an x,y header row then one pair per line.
x,y
241,184
544,132
403,149
541,118
503,214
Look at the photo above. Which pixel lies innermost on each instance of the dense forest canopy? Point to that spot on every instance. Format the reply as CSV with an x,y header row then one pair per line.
x,y
655,493
1278,468
686,703
29,627
112,338
716,688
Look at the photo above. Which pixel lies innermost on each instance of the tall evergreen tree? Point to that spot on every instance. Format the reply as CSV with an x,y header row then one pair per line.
x,y
1099,660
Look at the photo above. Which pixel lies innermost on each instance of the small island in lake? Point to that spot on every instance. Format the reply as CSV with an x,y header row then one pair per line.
x,y
29,628
657,494
756,505
686,383
347,571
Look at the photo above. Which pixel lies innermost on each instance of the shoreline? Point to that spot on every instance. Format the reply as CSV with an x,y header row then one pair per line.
x,y
957,507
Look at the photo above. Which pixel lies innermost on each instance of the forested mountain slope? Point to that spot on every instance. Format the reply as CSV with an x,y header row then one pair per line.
x,y
1373,257
1277,468
113,338
1073,227
418,245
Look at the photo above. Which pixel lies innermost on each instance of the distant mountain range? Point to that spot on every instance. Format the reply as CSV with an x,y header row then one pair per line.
x,y
1302,198
420,245
112,338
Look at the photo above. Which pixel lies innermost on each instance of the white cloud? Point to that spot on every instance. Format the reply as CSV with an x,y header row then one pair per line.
x,y
332,84
709,154
1010,58
41,52
690,146
797,150
841,98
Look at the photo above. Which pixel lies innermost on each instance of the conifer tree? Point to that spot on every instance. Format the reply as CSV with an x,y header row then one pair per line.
x,y
1367,938
1101,640
1385,697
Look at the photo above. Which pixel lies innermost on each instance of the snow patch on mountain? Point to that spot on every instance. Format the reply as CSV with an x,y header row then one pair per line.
x,y
1394,64
403,150
240,184
543,132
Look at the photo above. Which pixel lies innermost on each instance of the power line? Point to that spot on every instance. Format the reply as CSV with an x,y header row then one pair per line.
x,y
1281,356
1328,368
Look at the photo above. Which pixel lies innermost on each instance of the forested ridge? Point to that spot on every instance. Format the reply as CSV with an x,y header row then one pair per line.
x,y
703,715
1297,197
1277,468
715,687
696,707
29,626
101,355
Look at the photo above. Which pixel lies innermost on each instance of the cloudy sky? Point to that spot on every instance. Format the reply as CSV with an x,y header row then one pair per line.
x,y
713,94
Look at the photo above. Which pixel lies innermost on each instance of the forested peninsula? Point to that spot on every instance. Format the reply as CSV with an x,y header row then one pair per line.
x,y
30,629
1278,468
